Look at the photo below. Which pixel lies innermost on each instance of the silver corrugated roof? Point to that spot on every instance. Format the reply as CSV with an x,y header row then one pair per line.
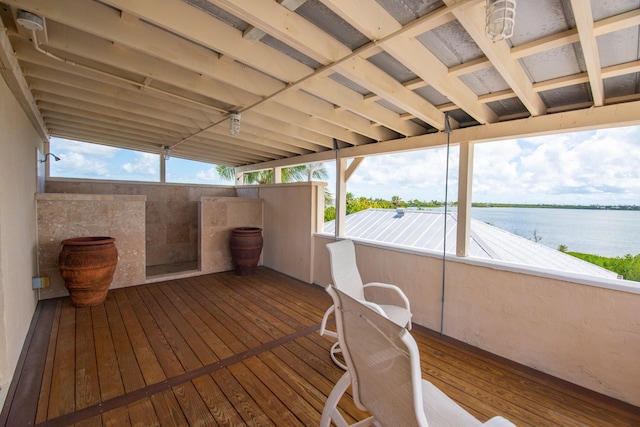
x,y
424,229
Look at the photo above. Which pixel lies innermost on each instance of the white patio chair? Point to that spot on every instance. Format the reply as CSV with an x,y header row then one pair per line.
x,y
384,371
346,277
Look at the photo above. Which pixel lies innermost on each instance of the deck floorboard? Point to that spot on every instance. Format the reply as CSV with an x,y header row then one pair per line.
x,y
224,350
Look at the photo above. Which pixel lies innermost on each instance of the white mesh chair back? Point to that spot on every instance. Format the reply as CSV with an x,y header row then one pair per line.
x,y
344,270
383,361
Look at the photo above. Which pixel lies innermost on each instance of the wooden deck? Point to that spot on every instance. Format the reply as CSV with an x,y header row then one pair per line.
x,y
228,350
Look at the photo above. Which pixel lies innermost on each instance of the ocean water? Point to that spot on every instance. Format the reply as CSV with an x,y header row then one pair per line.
x,y
607,233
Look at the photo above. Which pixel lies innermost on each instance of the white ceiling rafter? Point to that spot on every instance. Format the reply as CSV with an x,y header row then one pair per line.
x,y
584,22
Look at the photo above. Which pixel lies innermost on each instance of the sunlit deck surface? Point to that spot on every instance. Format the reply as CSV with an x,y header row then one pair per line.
x,y
229,350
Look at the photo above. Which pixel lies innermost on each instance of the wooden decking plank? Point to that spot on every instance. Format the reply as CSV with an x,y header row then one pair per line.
x,y
480,402
313,301
527,408
87,382
256,359
116,417
237,315
95,421
248,409
142,413
298,376
234,323
192,315
178,345
509,376
541,382
222,410
161,347
62,396
193,407
282,288
446,371
260,310
129,369
134,337
259,317
109,372
228,342
265,399
277,305
188,344
304,411
45,389
168,409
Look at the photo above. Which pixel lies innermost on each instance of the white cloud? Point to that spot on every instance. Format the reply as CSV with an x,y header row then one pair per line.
x,y
595,167
143,164
77,164
78,147
87,160
208,174
413,175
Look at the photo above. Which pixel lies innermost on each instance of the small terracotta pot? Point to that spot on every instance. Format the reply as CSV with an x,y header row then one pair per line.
x,y
87,265
246,247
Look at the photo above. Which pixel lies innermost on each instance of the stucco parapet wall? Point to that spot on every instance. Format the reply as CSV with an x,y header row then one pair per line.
x,y
94,197
582,279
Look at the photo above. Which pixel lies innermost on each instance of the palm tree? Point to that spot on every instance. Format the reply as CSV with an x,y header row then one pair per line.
x,y
291,174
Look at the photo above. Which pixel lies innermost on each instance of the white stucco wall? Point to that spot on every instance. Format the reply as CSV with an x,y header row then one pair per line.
x,y
290,219
18,164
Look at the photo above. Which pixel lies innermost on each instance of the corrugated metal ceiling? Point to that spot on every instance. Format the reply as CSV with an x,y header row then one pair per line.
x,y
144,75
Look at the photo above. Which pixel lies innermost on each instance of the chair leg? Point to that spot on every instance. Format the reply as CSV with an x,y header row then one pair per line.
x,y
330,411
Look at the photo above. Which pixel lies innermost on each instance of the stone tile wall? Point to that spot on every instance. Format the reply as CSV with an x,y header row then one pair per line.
x,y
62,216
171,213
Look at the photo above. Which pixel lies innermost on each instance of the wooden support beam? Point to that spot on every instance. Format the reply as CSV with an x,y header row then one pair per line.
x,y
465,183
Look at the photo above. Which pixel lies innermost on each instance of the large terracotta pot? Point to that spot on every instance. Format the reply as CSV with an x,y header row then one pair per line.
x,y
246,247
87,265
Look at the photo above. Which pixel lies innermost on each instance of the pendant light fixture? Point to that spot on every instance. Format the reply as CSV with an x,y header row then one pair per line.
x,y
500,20
234,123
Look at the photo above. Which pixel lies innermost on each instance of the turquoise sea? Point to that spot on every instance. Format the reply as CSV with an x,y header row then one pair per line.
x,y
609,233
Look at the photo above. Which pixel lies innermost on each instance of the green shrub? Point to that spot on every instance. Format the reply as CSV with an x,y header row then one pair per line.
x,y
627,266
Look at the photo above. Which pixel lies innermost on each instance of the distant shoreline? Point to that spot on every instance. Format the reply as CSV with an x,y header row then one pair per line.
x,y
548,206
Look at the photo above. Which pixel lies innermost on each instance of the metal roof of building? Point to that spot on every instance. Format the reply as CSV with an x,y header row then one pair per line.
x,y
424,229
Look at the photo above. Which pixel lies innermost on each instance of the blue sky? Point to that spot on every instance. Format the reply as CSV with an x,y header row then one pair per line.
x,y
595,167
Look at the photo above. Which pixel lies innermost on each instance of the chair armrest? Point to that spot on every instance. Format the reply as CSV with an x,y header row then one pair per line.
x,y
323,325
393,288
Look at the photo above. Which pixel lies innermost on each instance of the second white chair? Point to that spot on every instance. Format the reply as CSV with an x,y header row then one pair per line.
x,y
385,375
346,278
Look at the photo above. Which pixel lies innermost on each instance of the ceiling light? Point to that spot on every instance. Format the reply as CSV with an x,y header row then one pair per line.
x,y
29,20
167,152
234,123
500,21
